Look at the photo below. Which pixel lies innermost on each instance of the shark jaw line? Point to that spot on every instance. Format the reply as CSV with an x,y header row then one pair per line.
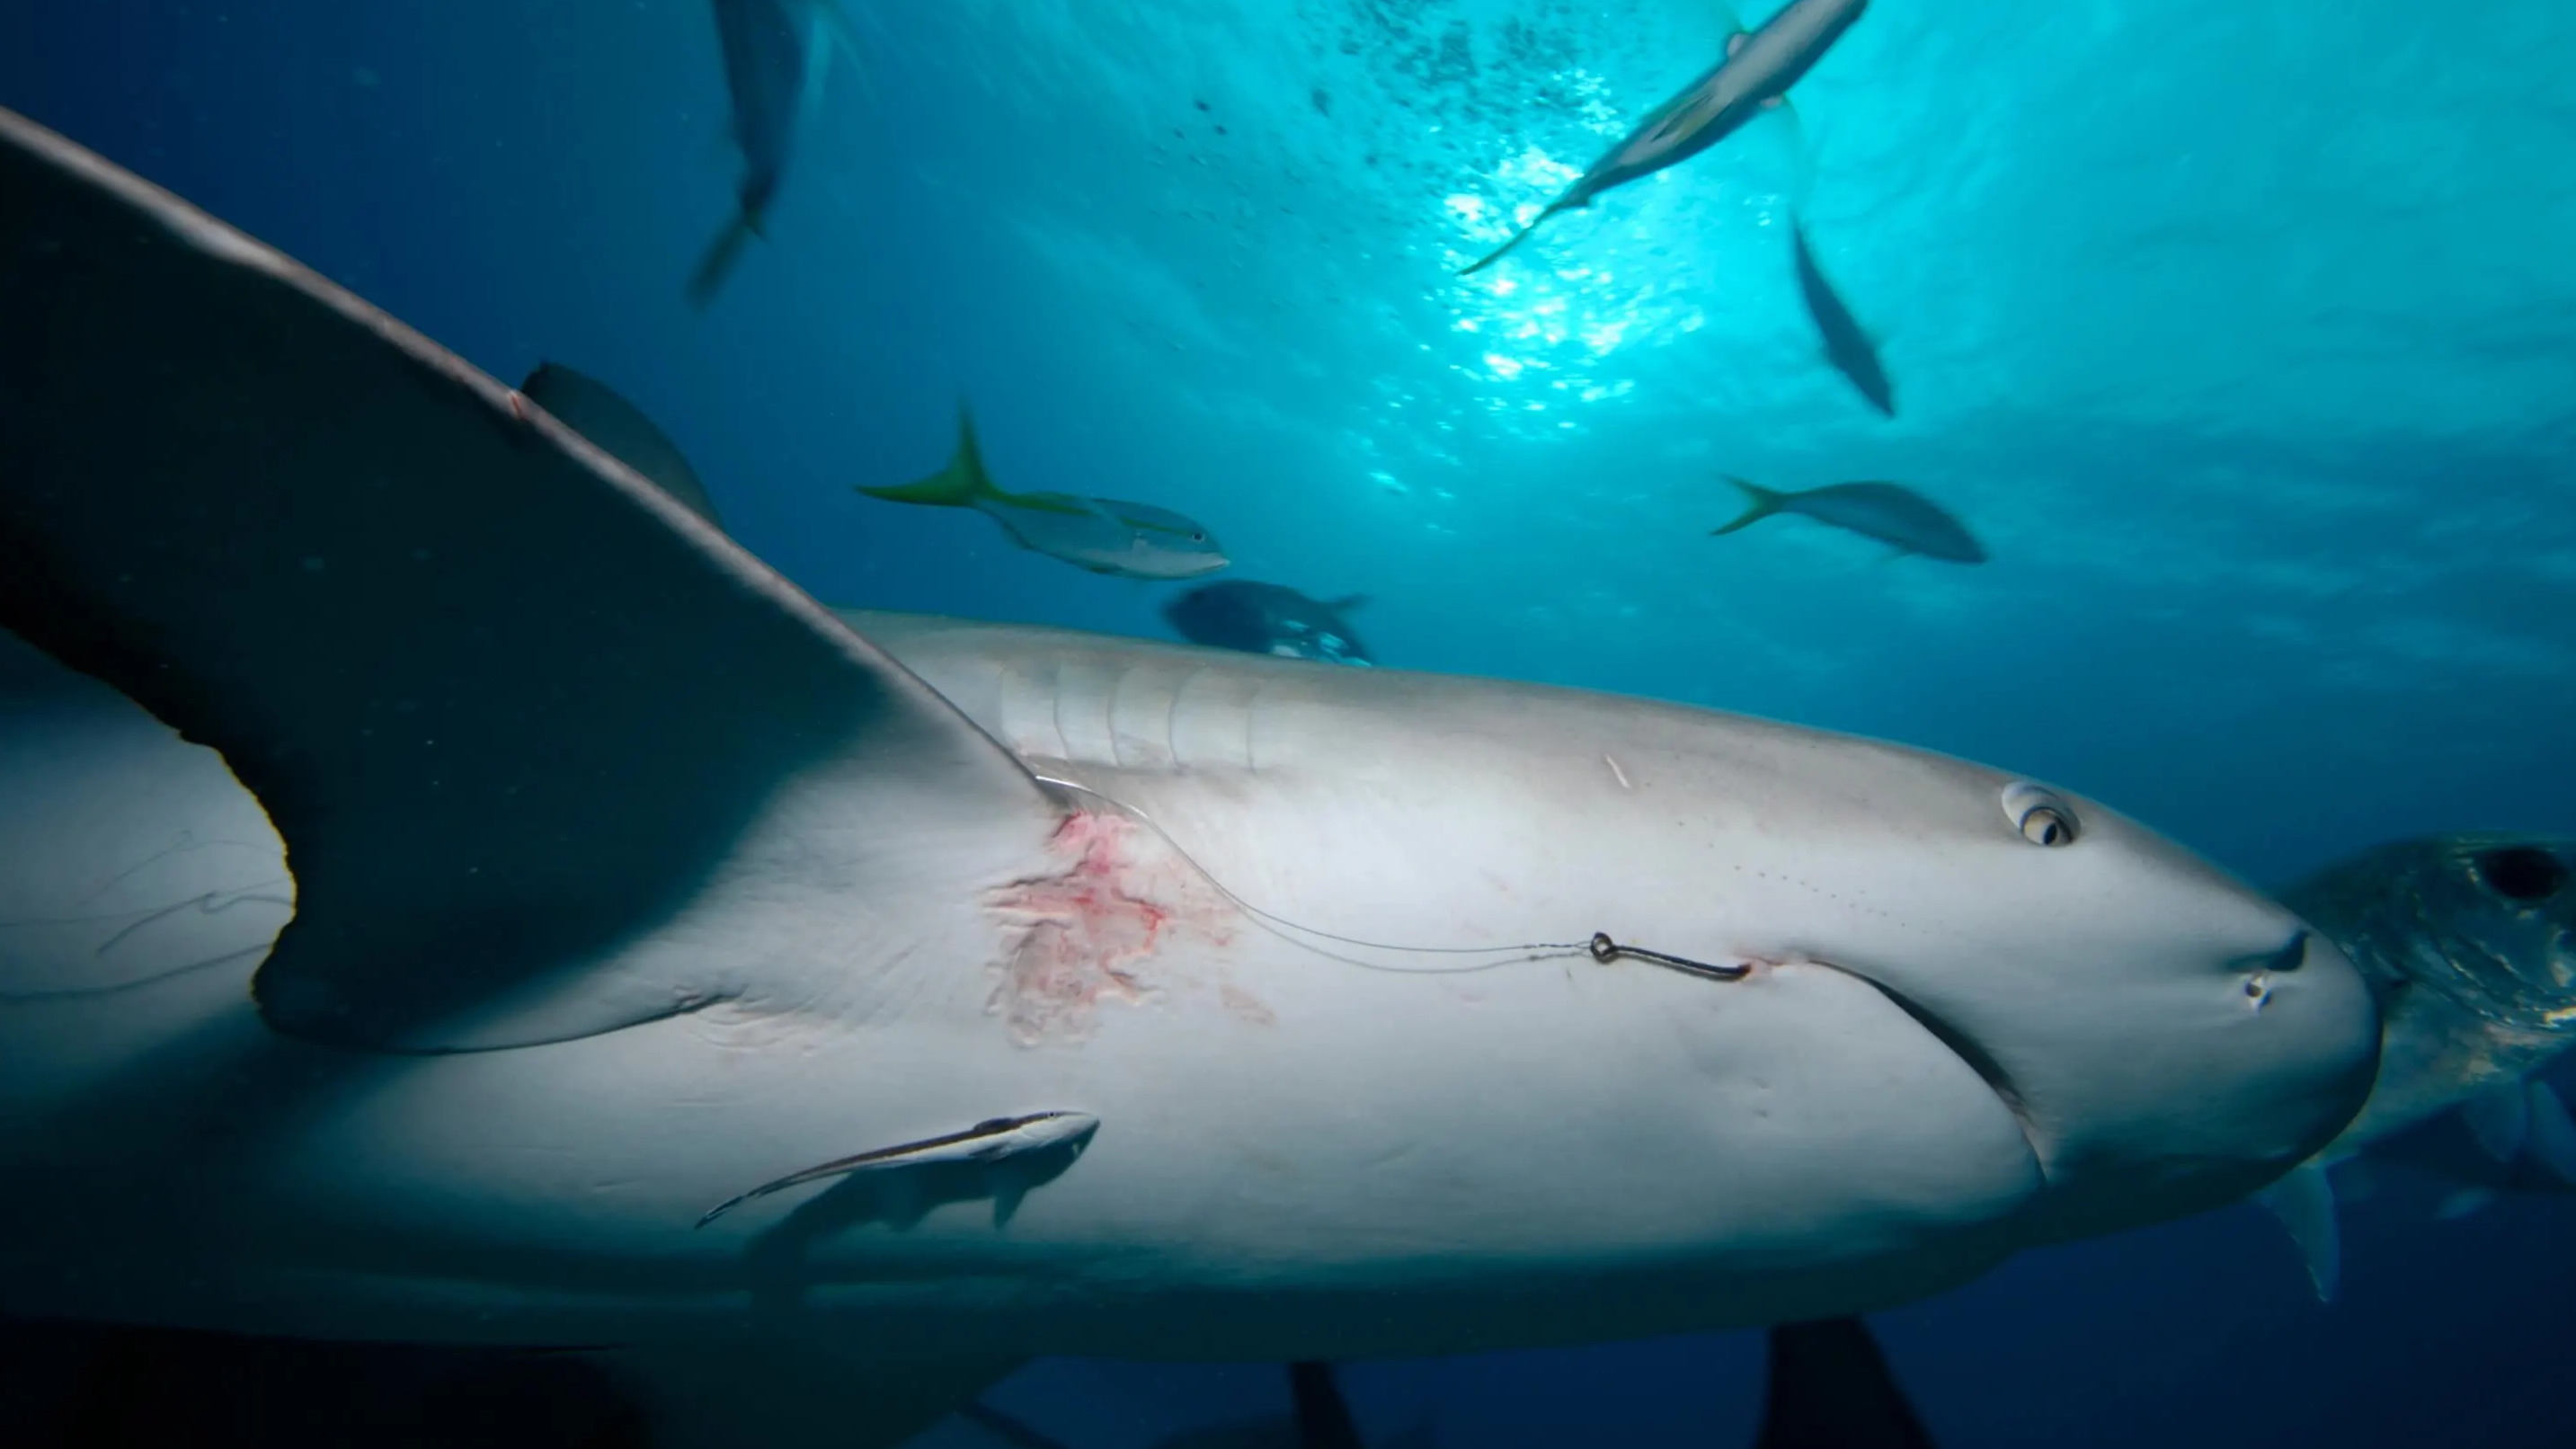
x,y
1971,1054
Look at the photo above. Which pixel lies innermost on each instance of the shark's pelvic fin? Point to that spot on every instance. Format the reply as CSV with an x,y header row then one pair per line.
x,y
1831,1388
509,706
2304,1203
1323,1419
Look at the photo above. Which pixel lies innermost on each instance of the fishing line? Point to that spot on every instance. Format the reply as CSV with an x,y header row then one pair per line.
x,y
1602,947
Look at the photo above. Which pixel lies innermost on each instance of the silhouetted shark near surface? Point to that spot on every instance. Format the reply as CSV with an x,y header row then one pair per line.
x,y
1756,73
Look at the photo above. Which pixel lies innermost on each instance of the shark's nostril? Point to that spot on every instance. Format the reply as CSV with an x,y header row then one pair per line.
x,y
2292,956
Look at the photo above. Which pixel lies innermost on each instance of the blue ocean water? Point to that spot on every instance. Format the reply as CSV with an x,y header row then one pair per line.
x,y
2245,336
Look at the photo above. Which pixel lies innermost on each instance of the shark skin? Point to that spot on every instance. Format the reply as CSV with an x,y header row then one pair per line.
x,y
443,869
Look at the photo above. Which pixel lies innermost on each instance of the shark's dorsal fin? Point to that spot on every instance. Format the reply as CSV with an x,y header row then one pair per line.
x,y
509,705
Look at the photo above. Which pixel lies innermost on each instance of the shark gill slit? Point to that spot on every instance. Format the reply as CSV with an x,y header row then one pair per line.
x,y
1601,946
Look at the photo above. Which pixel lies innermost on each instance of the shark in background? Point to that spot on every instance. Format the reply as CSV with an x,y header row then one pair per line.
x,y
2469,942
1754,76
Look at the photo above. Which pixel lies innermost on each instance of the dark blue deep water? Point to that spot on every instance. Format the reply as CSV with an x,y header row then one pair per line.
x,y
2244,335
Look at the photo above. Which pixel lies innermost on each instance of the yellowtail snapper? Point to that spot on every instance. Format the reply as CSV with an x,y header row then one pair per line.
x,y
1891,513
1756,74
1104,535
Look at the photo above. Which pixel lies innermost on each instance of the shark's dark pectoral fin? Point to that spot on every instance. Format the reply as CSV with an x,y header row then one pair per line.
x,y
1831,1388
508,705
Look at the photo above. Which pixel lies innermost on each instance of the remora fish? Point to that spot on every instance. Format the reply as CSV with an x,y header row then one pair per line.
x,y
1889,512
1103,535
2469,941
1757,72
1847,346
459,910
1258,618
776,53
620,429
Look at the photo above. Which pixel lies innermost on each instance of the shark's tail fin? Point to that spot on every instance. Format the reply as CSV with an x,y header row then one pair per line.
x,y
962,484
1760,503
1498,253
712,270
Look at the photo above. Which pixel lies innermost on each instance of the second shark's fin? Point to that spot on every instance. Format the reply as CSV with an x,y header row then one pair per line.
x,y
1831,1388
511,708
2304,1204
2553,1136
2500,1119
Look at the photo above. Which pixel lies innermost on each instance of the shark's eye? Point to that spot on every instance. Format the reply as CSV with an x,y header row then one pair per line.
x,y
1198,538
2040,814
2520,873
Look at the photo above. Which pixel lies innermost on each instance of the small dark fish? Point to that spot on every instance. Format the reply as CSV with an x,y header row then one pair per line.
x,y
1756,74
775,55
1831,1389
1103,535
1847,347
1891,513
620,429
1269,619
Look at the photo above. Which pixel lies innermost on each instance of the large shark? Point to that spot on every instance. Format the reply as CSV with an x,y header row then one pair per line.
x,y
1755,74
442,870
